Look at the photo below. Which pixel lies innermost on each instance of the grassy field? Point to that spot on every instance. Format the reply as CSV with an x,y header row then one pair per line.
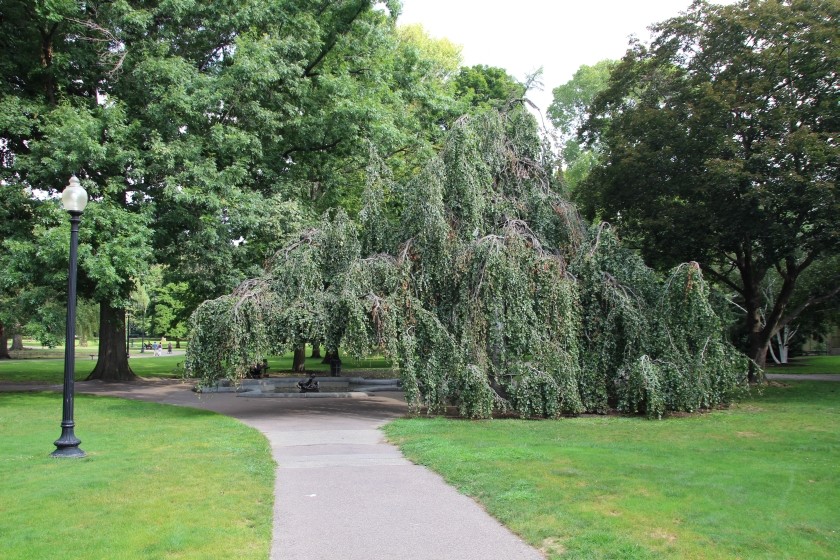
x,y
51,370
757,481
32,349
810,364
158,482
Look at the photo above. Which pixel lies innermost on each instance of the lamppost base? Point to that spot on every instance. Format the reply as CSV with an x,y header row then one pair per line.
x,y
68,446
68,453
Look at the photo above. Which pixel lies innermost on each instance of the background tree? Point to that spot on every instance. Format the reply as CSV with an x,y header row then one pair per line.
x,y
87,321
485,87
183,119
32,295
567,112
169,314
719,145
815,304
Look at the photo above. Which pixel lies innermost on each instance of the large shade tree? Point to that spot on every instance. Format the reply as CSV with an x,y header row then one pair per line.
x,y
719,145
203,131
486,289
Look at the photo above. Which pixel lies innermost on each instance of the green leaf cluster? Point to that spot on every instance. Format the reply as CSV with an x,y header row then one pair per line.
x,y
486,290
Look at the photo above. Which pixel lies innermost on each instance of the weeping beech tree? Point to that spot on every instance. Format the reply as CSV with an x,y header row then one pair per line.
x,y
488,292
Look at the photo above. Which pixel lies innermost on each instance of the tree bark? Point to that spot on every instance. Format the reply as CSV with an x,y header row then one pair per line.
x,y
17,342
316,348
299,363
4,344
757,348
758,355
112,364
328,356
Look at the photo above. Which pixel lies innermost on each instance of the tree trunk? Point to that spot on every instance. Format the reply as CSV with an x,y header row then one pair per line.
x,y
299,363
783,338
17,342
759,344
761,331
4,344
328,356
177,342
112,364
758,355
316,348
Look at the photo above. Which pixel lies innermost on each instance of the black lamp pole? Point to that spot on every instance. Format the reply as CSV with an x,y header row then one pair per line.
x,y
74,199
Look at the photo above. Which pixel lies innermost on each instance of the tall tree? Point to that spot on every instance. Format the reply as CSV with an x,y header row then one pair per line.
x,y
183,118
568,110
720,146
31,291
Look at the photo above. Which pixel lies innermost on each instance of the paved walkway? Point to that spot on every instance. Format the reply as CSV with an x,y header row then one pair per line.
x,y
342,492
802,376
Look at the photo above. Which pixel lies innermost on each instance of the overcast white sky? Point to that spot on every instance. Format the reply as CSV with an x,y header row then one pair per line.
x,y
523,35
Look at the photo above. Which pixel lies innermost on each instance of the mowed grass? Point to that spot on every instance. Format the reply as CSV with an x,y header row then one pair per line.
x,y
760,480
39,370
809,364
159,482
52,370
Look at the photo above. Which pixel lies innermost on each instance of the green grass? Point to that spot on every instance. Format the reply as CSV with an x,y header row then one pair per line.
x,y
32,349
759,480
52,370
159,482
809,364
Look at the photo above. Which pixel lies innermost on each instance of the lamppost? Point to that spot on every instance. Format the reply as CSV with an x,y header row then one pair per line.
x,y
74,199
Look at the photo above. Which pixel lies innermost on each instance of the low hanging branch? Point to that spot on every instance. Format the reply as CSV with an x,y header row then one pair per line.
x,y
480,299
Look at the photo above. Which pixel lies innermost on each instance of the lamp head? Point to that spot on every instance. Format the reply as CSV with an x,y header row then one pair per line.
x,y
74,198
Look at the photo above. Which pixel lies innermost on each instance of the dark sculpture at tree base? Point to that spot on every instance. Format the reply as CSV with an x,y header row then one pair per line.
x,y
310,385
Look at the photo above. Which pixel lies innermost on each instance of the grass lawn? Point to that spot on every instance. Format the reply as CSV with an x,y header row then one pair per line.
x,y
158,482
809,364
760,480
32,349
52,370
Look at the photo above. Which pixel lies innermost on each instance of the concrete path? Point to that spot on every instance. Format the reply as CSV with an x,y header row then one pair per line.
x,y
342,492
802,376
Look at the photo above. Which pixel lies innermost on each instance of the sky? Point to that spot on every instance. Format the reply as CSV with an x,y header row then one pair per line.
x,y
524,35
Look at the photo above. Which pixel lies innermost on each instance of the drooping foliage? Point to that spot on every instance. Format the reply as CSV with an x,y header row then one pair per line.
x,y
486,290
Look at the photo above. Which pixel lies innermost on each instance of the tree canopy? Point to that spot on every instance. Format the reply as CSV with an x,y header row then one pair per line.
x,y
204,132
486,289
719,145
485,86
568,110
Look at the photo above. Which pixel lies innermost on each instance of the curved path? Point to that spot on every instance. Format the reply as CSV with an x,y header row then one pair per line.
x,y
342,492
